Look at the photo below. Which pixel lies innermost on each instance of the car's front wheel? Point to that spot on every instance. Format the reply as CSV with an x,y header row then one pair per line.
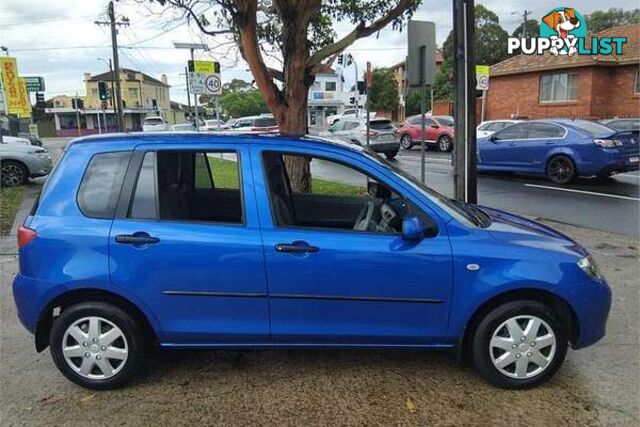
x,y
519,344
13,173
391,154
97,345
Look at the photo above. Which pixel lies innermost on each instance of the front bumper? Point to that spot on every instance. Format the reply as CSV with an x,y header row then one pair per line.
x,y
591,303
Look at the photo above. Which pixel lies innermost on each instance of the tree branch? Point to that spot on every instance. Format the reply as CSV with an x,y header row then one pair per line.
x,y
359,32
190,13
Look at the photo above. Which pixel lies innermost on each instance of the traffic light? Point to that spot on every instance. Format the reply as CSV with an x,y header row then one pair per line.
x,y
340,59
352,100
349,59
103,91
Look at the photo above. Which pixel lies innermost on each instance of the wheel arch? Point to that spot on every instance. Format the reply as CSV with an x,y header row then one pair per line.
x,y
565,152
561,307
67,299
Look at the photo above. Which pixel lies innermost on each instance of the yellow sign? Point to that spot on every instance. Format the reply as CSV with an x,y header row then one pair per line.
x,y
482,77
16,95
203,67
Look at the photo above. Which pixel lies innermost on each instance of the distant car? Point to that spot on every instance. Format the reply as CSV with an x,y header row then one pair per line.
x,y
19,162
184,127
489,127
254,124
349,113
439,132
559,149
155,124
15,140
212,125
623,123
382,134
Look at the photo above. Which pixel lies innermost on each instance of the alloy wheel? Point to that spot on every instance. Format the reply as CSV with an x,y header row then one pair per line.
x,y
561,170
95,348
522,347
405,142
12,175
444,144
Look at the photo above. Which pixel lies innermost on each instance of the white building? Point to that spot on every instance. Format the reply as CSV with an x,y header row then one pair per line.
x,y
328,96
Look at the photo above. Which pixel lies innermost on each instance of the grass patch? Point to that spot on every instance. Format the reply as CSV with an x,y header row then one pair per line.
x,y
225,175
10,201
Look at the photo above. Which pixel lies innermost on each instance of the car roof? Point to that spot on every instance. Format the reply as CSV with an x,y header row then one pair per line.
x,y
130,140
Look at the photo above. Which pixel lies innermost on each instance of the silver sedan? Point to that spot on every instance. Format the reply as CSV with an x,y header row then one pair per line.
x,y
19,162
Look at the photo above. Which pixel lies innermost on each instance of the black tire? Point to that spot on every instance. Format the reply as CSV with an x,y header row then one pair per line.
x,y
391,154
13,173
445,144
561,170
132,331
405,142
482,351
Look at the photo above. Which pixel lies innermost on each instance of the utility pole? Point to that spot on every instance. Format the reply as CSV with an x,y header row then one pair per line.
x,y
524,23
113,24
464,172
186,76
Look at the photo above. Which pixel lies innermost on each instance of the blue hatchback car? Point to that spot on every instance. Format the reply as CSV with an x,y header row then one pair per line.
x,y
560,149
200,241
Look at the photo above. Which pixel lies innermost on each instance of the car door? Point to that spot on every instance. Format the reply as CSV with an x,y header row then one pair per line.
x,y
530,153
329,284
497,151
186,242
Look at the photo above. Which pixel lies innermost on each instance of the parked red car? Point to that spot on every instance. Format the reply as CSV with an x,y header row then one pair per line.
x,y
438,132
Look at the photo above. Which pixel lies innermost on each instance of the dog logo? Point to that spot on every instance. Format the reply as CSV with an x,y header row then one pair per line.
x,y
563,31
563,25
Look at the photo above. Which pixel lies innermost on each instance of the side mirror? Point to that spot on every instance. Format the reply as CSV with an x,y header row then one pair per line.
x,y
435,126
412,228
493,137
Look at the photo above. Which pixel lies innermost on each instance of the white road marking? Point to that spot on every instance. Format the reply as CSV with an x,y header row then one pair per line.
x,y
591,193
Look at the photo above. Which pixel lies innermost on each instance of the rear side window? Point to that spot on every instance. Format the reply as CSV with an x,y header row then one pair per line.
x,y
264,122
101,183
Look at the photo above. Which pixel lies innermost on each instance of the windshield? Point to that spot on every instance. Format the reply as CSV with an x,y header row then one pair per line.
x,y
444,120
381,125
594,129
455,209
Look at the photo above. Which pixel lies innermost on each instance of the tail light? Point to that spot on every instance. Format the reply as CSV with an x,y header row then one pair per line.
x,y
372,133
25,236
607,143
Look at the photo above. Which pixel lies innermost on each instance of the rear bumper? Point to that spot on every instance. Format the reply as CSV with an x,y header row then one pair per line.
x,y
619,167
30,296
384,147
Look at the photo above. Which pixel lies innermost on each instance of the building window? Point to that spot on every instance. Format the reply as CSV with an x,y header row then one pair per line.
x,y
637,88
94,93
558,87
133,93
330,86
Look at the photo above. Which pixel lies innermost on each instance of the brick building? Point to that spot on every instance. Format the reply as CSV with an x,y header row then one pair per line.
x,y
578,86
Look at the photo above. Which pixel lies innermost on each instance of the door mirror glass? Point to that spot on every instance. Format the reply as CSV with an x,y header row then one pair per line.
x,y
412,228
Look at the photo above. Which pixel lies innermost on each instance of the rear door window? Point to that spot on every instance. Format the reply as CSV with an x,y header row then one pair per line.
x,y
544,131
101,184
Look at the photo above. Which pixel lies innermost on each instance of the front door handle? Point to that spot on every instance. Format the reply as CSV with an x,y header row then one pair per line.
x,y
136,239
299,248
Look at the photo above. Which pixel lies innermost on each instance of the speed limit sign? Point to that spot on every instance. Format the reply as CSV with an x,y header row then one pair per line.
x,y
213,84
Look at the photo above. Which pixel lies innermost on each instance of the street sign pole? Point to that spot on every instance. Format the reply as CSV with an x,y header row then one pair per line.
x,y
464,172
369,81
423,121
195,102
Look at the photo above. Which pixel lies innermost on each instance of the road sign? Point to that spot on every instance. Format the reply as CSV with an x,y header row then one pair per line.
x,y
34,84
482,77
421,57
204,77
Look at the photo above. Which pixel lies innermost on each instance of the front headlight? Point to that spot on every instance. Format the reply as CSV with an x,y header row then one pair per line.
x,y
589,266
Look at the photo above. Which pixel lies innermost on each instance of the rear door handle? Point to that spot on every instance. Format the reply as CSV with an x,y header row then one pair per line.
x,y
134,239
296,248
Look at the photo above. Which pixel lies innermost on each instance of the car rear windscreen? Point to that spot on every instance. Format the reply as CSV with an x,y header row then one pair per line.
x,y
381,124
154,121
594,129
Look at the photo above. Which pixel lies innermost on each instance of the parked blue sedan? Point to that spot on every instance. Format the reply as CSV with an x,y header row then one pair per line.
x,y
559,149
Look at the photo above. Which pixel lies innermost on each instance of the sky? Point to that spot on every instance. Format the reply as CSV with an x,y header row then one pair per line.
x,y
59,40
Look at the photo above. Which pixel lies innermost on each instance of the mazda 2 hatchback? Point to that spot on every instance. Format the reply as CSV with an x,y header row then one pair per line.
x,y
199,241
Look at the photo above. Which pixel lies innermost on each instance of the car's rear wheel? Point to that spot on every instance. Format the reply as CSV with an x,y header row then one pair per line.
x,y
13,173
405,142
97,345
519,344
445,144
561,170
391,154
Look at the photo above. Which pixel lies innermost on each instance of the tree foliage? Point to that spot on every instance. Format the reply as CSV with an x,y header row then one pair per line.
x,y
490,48
532,26
614,17
243,103
384,90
